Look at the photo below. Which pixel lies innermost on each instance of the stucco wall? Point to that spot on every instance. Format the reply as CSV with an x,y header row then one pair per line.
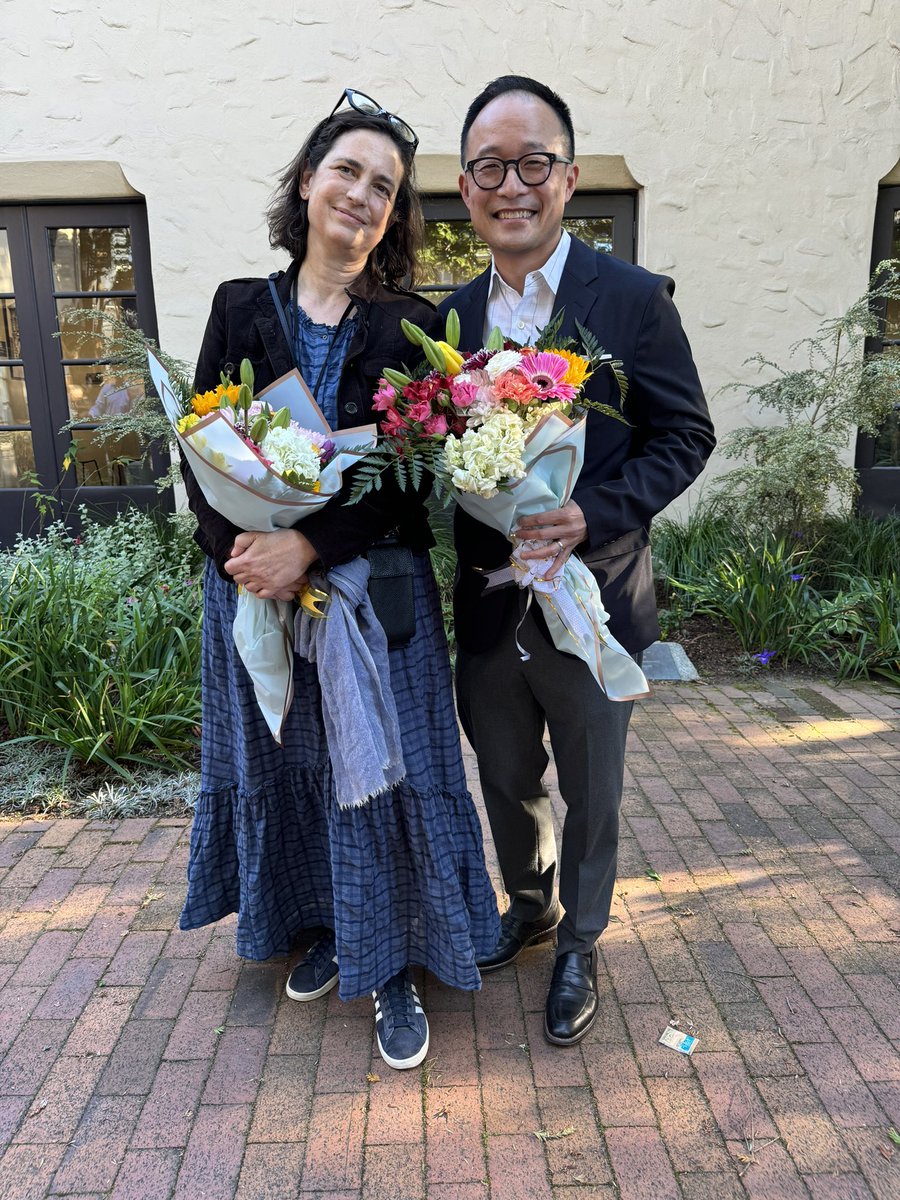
x,y
758,129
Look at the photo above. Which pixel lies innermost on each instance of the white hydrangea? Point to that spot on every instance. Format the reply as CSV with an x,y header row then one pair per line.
x,y
504,360
290,450
485,457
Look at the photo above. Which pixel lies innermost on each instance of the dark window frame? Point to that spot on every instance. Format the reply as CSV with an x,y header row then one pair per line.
x,y
879,485
35,295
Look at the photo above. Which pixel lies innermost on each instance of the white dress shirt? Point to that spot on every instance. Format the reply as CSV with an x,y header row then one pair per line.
x,y
522,317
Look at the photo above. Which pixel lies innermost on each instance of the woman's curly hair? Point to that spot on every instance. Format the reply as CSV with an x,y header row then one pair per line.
x,y
393,261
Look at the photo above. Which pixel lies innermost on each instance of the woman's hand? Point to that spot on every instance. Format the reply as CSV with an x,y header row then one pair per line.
x,y
272,566
562,529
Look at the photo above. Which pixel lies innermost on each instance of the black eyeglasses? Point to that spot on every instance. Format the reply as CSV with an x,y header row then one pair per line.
x,y
371,108
532,169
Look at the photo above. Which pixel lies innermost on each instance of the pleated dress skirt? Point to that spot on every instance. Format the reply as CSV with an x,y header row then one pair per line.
x,y
401,880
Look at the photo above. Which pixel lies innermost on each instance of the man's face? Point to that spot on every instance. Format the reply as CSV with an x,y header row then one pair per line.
x,y
520,223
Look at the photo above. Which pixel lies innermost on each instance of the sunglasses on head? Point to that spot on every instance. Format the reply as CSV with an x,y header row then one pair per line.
x,y
371,108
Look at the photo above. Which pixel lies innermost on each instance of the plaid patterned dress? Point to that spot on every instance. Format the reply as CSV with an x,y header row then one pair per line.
x,y
401,880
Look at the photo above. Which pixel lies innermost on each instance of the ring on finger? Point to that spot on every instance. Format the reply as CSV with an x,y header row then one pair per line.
x,y
561,546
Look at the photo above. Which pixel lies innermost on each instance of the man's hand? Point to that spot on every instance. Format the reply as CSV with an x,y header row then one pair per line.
x,y
562,529
272,566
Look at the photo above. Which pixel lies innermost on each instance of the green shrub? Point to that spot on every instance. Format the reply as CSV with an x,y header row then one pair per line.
x,y
100,642
830,596
794,471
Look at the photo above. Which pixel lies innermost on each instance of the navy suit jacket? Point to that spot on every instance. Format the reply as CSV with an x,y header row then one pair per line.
x,y
631,472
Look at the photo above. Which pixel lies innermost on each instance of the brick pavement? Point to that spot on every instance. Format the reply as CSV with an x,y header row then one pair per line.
x,y
141,1063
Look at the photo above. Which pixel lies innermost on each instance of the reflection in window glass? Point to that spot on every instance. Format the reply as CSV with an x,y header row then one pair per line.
x,y
92,396
596,231
92,260
887,445
10,344
116,462
78,342
6,283
16,458
453,254
892,323
13,396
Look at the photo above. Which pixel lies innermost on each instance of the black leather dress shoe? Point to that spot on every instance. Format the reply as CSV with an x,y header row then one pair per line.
x,y
515,935
572,999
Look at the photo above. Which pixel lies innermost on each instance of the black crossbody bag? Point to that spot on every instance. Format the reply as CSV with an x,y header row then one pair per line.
x,y
391,565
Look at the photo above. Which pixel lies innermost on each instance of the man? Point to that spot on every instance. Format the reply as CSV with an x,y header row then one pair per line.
x,y
518,173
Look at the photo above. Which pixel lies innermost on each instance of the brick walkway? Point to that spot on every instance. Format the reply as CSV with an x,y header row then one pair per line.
x,y
157,1064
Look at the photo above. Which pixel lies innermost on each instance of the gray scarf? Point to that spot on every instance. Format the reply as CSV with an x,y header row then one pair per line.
x,y
350,651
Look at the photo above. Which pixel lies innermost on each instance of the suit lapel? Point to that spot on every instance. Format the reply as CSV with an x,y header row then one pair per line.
x,y
575,293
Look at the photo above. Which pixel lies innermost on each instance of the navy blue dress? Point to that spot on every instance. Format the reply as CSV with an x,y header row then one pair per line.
x,y
401,880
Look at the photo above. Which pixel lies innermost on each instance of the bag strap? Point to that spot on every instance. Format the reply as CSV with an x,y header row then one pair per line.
x,y
282,317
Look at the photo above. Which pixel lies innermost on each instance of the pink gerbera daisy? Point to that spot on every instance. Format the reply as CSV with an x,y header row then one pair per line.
x,y
547,372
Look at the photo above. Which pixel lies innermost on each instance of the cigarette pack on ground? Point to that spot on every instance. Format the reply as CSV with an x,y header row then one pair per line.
x,y
684,1043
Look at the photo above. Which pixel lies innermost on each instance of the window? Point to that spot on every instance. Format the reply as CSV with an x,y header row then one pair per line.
x,y
54,258
453,254
878,459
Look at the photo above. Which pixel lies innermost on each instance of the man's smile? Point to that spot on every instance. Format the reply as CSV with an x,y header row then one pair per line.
x,y
514,214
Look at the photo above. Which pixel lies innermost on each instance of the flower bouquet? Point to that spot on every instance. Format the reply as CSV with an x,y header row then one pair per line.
x,y
264,463
503,431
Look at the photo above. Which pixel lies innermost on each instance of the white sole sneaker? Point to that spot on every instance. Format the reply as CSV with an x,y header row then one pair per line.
x,y
322,991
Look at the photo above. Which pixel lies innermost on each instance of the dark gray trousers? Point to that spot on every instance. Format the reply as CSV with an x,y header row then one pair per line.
x,y
504,704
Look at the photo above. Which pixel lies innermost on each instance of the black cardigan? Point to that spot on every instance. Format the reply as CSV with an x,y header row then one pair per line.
x,y
244,324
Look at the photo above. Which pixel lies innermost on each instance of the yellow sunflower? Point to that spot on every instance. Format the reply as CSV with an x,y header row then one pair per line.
x,y
206,402
579,368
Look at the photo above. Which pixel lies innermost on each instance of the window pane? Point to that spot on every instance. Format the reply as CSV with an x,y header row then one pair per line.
x,y
892,324
452,255
13,397
114,463
92,396
887,447
16,459
596,231
79,341
92,260
6,284
10,345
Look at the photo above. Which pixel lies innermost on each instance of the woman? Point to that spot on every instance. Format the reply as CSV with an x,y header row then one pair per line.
x,y
400,880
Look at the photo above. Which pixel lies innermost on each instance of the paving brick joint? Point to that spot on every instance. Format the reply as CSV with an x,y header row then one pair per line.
x,y
756,908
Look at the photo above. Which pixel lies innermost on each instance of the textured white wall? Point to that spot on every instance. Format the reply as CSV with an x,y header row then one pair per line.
x,y
758,129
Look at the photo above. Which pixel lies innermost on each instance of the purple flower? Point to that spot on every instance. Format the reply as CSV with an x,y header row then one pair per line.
x,y
764,657
129,600
795,578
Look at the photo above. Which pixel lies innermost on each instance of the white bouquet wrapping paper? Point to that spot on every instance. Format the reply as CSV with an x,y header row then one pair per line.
x,y
252,495
570,602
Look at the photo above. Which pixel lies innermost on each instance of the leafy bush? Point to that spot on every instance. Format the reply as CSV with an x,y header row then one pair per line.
x,y
831,596
100,644
795,470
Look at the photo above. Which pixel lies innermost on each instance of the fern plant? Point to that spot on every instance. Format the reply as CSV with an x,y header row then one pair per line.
x,y
795,471
124,362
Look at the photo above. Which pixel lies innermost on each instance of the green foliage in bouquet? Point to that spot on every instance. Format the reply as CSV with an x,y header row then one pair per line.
x,y
795,471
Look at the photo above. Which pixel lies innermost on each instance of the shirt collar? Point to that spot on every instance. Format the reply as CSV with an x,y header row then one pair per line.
x,y
550,272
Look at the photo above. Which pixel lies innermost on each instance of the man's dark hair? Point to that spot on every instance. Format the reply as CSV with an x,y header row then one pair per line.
x,y
518,83
393,261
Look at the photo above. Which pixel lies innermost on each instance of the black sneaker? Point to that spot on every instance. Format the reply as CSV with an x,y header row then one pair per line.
x,y
400,1023
317,971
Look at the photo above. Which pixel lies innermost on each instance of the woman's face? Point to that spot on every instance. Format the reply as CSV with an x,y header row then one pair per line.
x,y
352,192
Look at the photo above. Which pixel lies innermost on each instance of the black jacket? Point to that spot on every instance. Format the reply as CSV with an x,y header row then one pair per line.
x,y
244,324
629,474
